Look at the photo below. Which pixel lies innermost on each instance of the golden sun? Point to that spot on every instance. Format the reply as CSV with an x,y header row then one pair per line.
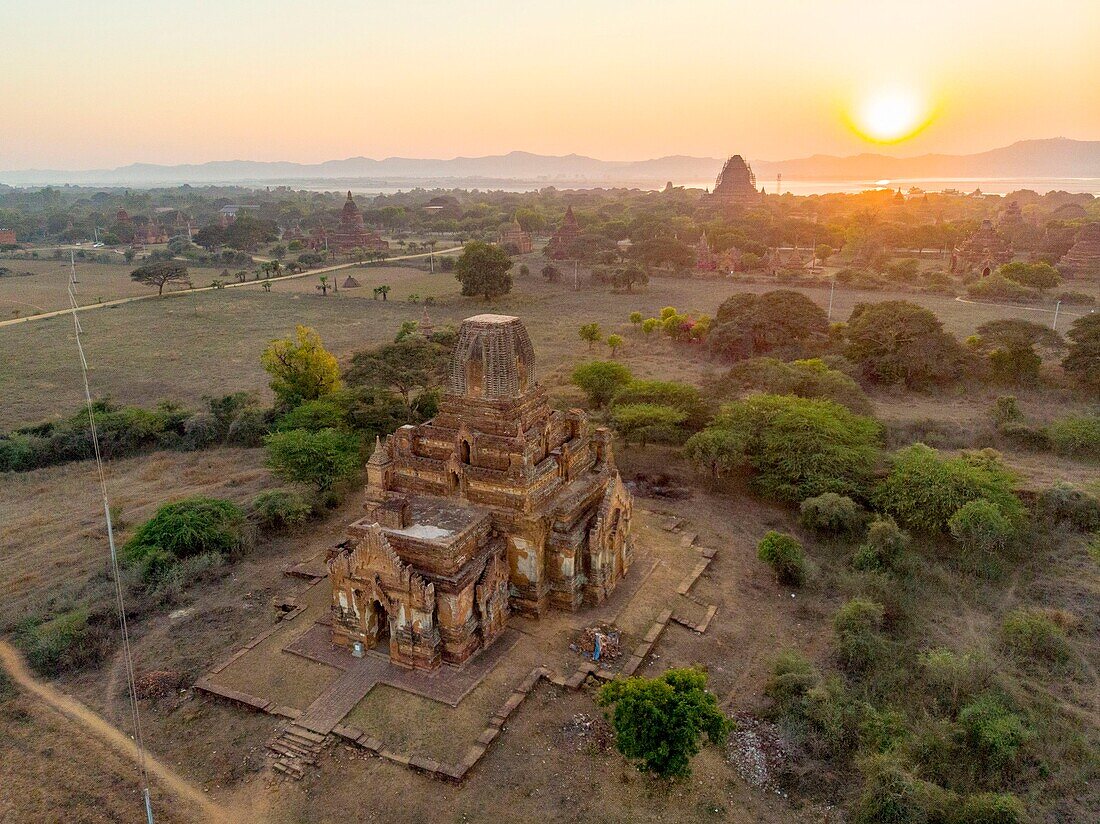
x,y
890,115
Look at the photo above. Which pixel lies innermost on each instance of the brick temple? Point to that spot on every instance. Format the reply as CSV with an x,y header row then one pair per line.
x,y
1082,261
350,234
513,239
561,242
497,504
736,184
985,250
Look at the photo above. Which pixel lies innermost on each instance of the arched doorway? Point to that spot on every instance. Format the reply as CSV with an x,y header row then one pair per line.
x,y
464,451
381,623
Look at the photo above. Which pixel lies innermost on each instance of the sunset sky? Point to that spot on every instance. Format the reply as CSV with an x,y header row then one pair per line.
x,y
90,85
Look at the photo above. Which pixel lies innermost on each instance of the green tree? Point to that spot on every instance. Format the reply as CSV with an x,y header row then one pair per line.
x,y
897,341
319,459
301,368
1083,358
649,326
796,448
410,364
1041,276
192,526
636,319
679,396
659,722
1010,344
160,273
483,270
551,273
628,277
748,324
784,554
600,380
614,342
591,334
647,422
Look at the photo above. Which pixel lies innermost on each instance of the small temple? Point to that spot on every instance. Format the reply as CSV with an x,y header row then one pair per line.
x,y
350,234
561,242
499,504
513,239
985,249
736,184
1082,261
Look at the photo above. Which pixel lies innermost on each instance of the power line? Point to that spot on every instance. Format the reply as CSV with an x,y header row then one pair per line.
x,y
120,605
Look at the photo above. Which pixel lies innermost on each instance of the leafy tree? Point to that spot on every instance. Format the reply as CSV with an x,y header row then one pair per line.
x,y
320,459
600,380
1010,344
856,626
784,554
551,273
981,527
899,341
1041,276
636,319
660,721
615,343
405,366
160,273
679,396
796,448
924,490
591,334
301,368
824,252
483,270
748,324
647,422
663,251
1083,358
811,378
628,277
192,526
313,416
649,326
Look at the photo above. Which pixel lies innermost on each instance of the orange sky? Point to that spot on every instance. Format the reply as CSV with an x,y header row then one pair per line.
x,y
87,85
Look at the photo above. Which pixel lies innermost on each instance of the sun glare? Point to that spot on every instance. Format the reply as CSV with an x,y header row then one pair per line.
x,y
890,115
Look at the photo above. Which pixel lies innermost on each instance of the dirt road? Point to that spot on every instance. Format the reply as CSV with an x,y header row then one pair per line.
x,y
122,301
72,709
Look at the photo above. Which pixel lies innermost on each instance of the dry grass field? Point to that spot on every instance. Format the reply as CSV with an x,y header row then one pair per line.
x,y
188,347
45,288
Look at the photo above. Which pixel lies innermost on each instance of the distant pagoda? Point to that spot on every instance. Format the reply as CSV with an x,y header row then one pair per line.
x,y
985,249
736,184
351,233
513,239
561,242
1082,261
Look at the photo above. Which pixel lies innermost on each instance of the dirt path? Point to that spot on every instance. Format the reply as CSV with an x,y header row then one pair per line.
x,y
122,301
72,709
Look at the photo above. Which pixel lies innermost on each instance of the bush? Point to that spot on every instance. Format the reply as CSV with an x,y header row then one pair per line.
x,y
313,416
952,679
1076,436
991,808
892,794
322,459
792,677
660,721
832,514
797,448
998,287
856,626
1006,409
812,378
992,731
679,396
66,642
601,380
193,526
1063,504
279,508
899,341
201,431
784,554
883,546
248,429
924,490
981,527
648,423
1032,638
1025,436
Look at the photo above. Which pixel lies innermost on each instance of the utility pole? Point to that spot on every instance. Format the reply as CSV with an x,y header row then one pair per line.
x,y
1057,306
576,282
832,291
72,267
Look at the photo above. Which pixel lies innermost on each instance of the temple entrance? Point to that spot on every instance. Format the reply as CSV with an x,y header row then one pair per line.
x,y
464,451
381,623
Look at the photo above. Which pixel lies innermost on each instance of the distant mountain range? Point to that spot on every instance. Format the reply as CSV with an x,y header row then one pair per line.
x,y
1054,158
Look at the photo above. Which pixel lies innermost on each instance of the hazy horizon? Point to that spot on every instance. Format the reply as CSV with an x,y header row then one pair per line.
x,y
93,87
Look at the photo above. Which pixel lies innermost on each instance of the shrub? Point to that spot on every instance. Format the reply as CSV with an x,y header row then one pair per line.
x,y
201,430
991,808
1076,436
998,287
832,514
313,416
812,378
883,546
891,794
992,731
1032,638
792,677
648,422
797,448
600,380
856,626
924,490
321,459
831,717
784,554
679,396
189,527
659,722
951,678
899,341
1006,410
1025,436
1064,504
279,508
248,428
66,642
981,527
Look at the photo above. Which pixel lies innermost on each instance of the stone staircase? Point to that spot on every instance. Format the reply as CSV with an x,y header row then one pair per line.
x,y
294,749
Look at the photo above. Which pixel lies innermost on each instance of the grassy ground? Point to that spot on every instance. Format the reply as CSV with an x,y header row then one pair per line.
x,y
185,348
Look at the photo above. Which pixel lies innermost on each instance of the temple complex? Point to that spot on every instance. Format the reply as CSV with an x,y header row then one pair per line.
x,y
498,504
985,249
1082,261
513,239
561,242
1011,217
736,184
705,259
148,233
350,234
